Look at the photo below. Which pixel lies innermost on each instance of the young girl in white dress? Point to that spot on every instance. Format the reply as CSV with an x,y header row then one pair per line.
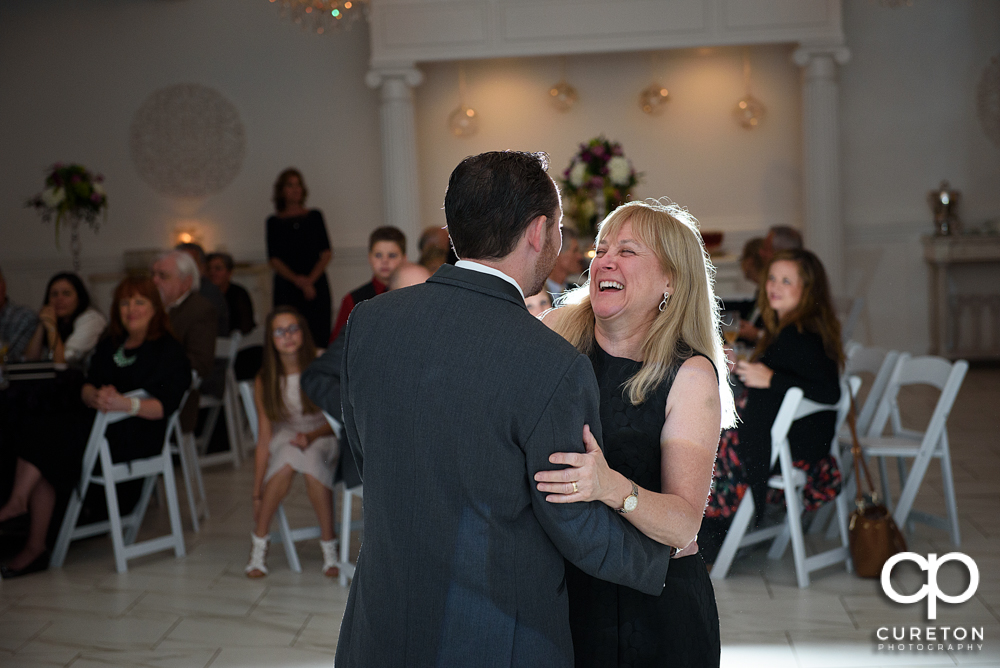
x,y
293,436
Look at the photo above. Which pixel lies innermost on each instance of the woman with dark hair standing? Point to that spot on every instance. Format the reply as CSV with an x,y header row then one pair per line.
x,y
139,352
69,327
298,250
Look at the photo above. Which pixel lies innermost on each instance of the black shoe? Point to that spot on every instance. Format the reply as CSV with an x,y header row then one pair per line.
x,y
40,563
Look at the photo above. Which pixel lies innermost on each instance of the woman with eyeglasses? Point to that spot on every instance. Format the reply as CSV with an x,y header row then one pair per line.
x,y
293,436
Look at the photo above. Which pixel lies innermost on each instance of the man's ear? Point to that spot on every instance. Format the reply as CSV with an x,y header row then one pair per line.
x,y
536,233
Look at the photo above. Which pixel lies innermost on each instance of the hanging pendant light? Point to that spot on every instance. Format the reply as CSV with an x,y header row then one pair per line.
x,y
749,111
463,121
654,97
562,94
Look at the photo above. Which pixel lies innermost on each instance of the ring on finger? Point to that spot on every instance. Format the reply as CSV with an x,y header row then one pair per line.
x,y
575,488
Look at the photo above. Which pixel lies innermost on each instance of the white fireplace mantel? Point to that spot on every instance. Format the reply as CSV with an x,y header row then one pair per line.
x,y
405,33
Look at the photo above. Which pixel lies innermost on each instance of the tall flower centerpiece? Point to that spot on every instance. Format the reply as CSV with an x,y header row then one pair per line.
x,y
598,178
73,194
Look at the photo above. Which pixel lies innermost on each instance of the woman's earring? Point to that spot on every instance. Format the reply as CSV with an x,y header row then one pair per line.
x,y
663,304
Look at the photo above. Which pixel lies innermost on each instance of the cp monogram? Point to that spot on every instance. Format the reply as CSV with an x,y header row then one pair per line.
x,y
930,591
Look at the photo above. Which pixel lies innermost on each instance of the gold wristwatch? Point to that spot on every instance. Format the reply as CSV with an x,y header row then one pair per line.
x,y
631,501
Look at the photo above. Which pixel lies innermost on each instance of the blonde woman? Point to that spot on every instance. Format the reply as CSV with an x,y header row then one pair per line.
x,y
648,319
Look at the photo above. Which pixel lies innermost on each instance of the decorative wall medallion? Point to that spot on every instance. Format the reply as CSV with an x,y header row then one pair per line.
x,y
988,100
187,140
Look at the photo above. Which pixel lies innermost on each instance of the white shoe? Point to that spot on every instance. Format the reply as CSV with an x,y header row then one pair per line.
x,y
329,548
258,553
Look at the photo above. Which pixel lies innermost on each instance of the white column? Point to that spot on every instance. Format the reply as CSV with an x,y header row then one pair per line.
x,y
824,227
400,190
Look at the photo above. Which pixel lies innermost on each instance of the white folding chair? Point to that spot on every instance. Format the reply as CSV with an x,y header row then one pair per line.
x,y
183,445
791,480
879,364
123,529
347,524
285,533
902,443
849,314
226,349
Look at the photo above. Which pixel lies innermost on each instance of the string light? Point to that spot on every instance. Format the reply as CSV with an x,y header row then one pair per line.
x,y
321,16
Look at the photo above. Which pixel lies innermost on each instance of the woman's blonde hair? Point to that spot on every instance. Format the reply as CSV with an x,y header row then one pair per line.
x,y
690,321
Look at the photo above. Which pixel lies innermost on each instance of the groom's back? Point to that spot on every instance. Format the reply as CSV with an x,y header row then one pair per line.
x,y
446,385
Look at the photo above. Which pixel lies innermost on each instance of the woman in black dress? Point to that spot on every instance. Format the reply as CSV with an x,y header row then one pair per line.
x,y
137,353
648,319
298,250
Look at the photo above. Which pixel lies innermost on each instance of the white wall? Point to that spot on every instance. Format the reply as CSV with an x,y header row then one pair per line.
x,y
731,179
909,121
73,75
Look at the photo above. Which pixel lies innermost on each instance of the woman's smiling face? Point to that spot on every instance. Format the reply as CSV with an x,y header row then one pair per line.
x,y
626,278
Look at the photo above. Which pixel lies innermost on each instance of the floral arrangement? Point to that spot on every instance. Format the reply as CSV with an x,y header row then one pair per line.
x,y
598,179
71,191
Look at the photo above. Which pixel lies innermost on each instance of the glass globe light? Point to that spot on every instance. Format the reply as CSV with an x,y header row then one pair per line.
x,y
749,112
563,96
463,121
653,99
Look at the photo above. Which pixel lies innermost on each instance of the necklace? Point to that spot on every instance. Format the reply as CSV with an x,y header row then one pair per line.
x,y
121,359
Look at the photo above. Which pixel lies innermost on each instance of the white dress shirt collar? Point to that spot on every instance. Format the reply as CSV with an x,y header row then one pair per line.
x,y
483,269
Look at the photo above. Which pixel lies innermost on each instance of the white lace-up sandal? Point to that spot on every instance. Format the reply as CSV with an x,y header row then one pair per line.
x,y
329,548
258,553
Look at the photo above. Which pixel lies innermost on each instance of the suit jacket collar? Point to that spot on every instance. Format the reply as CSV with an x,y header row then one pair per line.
x,y
478,282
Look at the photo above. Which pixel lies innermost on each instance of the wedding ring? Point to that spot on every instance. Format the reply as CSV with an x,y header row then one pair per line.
x,y
575,488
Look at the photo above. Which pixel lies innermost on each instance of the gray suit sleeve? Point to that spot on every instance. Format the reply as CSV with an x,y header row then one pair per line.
x,y
321,379
350,426
590,535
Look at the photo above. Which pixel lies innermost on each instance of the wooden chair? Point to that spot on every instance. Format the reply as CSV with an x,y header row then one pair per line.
x,y
791,480
923,446
123,529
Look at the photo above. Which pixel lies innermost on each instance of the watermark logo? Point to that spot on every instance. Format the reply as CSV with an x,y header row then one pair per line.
x,y
930,590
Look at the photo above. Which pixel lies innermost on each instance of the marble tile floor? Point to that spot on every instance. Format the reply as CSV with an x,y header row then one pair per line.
x,y
201,610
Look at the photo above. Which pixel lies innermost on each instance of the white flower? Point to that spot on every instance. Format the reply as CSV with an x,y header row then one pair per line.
x,y
619,170
577,174
99,189
53,197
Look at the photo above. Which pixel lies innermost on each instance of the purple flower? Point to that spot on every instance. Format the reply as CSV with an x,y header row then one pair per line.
x,y
598,150
75,178
95,198
586,156
617,150
597,182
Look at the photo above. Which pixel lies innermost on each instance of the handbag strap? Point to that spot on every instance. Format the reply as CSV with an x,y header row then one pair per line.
x,y
859,461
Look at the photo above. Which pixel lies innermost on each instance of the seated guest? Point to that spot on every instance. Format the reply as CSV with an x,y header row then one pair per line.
x,y
69,327
193,320
293,436
17,325
386,250
800,347
208,289
408,274
435,248
137,353
538,304
567,264
752,265
220,273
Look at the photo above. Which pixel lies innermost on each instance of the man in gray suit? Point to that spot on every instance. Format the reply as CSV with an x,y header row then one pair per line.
x,y
453,397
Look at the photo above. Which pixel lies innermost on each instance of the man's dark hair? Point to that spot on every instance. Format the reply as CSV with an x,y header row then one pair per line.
x,y
387,233
227,259
190,247
491,199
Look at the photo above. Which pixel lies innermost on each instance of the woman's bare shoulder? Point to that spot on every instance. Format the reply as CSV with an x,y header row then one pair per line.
x,y
552,317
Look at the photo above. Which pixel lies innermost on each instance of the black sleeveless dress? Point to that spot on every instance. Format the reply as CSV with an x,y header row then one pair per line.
x,y
614,625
